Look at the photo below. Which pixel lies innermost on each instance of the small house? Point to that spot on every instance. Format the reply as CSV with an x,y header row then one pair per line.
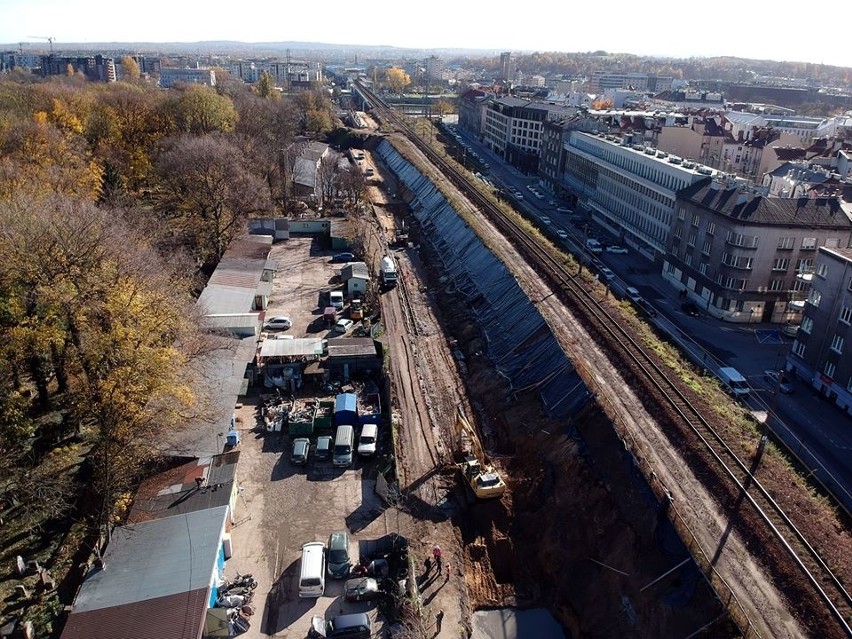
x,y
355,277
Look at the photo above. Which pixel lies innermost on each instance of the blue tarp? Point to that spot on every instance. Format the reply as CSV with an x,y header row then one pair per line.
x,y
520,343
346,409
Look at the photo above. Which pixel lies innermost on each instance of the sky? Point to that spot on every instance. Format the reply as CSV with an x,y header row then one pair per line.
x,y
664,28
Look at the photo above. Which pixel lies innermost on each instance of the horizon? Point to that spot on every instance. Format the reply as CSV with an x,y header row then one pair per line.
x,y
581,29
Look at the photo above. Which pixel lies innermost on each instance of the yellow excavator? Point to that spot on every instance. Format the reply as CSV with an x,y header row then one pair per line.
x,y
482,478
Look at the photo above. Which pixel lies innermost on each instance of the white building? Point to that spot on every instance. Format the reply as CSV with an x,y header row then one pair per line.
x,y
169,77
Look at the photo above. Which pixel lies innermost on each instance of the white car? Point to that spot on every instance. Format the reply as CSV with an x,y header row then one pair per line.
x,y
343,326
607,274
545,219
562,233
633,293
278,323
563,209
619,250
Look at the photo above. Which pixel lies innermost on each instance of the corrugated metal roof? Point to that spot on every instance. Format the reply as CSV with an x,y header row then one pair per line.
x,y
351,346
159,558
180,616
235,320
226,300
291,347
355,269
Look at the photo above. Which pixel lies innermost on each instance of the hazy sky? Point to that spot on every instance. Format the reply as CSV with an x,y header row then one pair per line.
x,y
663,27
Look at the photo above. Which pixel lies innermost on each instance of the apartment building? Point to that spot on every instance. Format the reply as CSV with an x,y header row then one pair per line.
x,y
652,83
740,255
630,189
95,67
472,105
171,76
820,353
513,129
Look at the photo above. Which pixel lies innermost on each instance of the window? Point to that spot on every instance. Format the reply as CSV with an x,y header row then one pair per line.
x,y
708,244
688,259
696,219
678,230
846,315
786,242
692,238
829,369
837,344
822,269
799,348
815,298
711,228
776,285
808,243
703,268
780,263
681,213
807,324
805,266
832,242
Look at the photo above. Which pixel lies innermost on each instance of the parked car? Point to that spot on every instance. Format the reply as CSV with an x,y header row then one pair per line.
x,y
337,559
607,274
545,219
779,380
278,323
323,450
690,309
562,233
343,258
632,294
619,250
301,450
343,326
361,589
564,209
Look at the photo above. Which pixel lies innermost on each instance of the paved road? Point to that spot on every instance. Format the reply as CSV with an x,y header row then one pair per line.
x,y
814,429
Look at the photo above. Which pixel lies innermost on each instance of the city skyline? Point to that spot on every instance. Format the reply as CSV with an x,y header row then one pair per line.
x,y
667,31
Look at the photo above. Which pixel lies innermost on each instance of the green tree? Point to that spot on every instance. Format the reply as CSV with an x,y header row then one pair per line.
x,y
265,87
199,110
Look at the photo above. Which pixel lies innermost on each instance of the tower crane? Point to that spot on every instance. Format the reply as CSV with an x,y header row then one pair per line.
x,y
50,39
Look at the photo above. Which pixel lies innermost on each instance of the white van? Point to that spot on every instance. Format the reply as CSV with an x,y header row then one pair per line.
x,y
335,299
344,442
734,382
367,440
312,575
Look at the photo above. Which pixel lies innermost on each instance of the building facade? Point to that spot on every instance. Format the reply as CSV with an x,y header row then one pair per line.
x,y
96,67
628,188
741,256
170,76
820,353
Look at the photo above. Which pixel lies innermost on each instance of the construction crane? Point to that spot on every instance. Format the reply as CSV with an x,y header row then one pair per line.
x,y
481,477
50,39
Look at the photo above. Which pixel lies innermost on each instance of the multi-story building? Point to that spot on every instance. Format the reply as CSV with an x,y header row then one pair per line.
x,y
628,188
820,353
604,80
95,67
435,68
506,71
282,73
472,105
739,254
513,129
169,77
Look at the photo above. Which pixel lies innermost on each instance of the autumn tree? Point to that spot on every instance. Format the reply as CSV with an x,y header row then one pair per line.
x,y
351,184
206,192
397,79
130,68
265,86
327,176
86,294
199,110
442,107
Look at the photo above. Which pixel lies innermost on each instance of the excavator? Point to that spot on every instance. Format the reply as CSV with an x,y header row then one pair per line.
x,y
481,477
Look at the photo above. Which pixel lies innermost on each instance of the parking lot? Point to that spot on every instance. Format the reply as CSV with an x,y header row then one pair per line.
x,y
283,506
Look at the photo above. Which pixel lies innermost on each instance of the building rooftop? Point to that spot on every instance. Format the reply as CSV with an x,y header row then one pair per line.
x,y
351,347
756,209
354,269
291,347
233,285
842,254
176,491
154,582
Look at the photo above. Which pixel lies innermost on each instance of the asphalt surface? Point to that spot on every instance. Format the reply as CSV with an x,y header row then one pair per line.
x,y
814,430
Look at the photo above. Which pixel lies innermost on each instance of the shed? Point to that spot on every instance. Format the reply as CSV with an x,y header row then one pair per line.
x,y
350,355
346,409
158,579
355,277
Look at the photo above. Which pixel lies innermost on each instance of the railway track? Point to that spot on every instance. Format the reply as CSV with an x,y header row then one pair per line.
x,y
734,475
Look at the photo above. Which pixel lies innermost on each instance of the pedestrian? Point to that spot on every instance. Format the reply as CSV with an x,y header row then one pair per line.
x,y
436,554
428,563
448,574
439,619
